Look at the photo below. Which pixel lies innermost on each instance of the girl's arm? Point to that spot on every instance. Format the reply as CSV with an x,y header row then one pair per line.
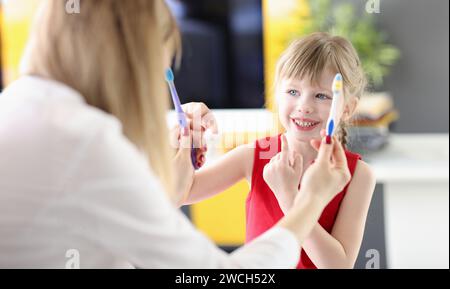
x,y
340,248
223,173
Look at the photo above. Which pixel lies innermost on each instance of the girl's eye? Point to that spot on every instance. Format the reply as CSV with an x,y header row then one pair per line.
x,y
323,96
293,92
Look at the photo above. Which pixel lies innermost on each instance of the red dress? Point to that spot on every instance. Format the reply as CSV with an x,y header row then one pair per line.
x,y
262,209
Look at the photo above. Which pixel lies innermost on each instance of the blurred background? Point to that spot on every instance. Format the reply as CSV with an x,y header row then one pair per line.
x,y
230,48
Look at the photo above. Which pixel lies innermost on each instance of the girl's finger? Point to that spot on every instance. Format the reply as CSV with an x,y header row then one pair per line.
x,y
185,142
292,156
284,149
272,160
298,163
278,156
199,111
209,122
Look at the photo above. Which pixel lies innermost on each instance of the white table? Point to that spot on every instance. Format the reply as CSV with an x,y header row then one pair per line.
x,y
414,169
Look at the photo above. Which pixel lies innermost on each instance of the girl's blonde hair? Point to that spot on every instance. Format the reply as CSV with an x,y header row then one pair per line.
x,y
311,55
112,53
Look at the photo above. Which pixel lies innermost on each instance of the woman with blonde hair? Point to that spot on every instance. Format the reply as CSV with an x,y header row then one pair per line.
x,y
85,161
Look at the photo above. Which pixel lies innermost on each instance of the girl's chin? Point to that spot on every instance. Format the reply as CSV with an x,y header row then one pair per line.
x,y
304,136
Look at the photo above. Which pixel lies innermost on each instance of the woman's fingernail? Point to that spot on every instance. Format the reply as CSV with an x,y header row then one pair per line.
x,y
328,139
202,158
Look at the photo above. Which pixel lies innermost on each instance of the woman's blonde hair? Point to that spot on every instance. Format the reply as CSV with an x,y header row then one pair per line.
x,y
309,56
112,53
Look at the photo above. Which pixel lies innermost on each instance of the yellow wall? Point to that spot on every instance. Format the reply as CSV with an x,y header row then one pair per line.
x,y
222,218
15,24
283,21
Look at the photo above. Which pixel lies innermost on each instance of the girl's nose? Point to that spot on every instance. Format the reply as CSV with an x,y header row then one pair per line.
x,y
304,104
305,108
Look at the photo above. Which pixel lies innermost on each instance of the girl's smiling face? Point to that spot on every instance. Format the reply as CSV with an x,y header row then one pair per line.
x,y
304,107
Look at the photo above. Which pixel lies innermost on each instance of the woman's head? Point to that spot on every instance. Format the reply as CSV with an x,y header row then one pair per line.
x,y
303,80
114,53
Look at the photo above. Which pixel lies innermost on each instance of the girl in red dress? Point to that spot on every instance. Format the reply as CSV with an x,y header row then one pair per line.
x,y
303,82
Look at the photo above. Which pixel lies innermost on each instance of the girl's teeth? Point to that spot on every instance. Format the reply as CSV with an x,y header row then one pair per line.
x,y
304,123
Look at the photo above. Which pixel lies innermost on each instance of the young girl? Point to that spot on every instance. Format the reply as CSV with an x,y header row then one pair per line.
x,y
303,81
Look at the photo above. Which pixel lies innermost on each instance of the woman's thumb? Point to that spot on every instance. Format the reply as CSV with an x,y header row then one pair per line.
x,y
325,150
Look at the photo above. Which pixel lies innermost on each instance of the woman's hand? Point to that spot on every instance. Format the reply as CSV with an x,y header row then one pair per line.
x,y
328,175
182,164
321,182
200,119
283,173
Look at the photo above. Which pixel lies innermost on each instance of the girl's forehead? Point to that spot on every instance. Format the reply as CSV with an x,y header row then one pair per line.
x,y
322,81
322,84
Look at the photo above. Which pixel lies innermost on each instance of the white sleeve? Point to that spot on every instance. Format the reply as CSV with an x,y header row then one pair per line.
x,y
115,201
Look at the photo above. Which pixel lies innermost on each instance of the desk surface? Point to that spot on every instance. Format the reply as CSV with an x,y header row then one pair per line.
x,y
412,158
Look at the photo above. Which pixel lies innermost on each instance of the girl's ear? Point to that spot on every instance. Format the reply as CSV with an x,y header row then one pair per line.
x,y
349,108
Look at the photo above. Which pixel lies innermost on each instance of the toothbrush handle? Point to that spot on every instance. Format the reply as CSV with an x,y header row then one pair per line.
x,y
194,158
193,150
182,120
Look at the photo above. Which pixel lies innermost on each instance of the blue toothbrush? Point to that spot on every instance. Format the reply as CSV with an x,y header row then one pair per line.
x,y
337,88
179,111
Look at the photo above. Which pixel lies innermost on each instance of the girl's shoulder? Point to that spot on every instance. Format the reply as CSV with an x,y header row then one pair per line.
x,y
362,170
243,156
353,159
362,183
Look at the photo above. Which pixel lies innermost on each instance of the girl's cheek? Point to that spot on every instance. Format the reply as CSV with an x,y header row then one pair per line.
x,y
283,114
324,112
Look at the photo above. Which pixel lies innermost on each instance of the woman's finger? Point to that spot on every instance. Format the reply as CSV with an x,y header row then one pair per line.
x,y
338,155
323,133
325,151
174,137
315,143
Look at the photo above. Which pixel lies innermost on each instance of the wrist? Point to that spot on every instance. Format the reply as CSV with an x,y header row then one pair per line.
x,y
289,197
189,191
310,197
303,216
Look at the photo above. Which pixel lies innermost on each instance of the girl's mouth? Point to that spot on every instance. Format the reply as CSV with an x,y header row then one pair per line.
x,y
305,124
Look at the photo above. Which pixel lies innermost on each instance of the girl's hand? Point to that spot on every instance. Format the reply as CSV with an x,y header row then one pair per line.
x,y
201,119
283,173
328,175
